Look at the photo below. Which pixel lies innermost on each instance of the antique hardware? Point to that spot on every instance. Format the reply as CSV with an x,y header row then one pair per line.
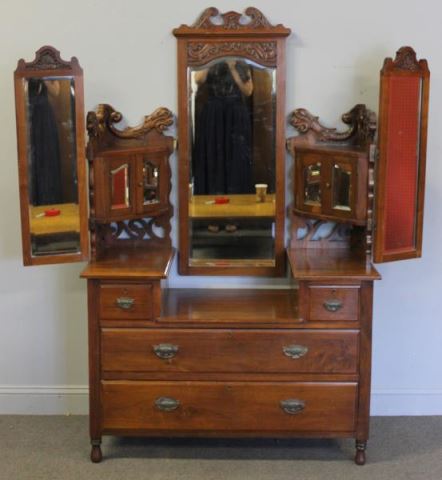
x,y
333,305
125,303
165,350
292,406
295,351
167,404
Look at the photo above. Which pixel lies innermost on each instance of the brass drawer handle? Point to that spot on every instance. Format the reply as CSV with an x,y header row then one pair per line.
x,y
165,350
167,404
126,303
333,305
292,406
295,351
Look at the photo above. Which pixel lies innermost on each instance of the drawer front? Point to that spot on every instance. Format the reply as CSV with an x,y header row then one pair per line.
x,y
234,406
188,350
126,301
333,303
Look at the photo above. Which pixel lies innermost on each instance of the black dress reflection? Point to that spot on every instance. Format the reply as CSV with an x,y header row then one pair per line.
x,y
222,154
44,147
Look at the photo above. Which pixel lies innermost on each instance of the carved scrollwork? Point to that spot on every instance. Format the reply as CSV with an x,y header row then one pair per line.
x,y
320,230
48,58
199,53
253,18
154,231
361,131
104,118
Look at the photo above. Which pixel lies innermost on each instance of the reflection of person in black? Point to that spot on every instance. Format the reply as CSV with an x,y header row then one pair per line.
x,y
222,155
44,148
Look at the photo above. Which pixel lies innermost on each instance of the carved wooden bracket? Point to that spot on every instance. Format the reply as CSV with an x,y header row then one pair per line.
x,y
361,131
104,118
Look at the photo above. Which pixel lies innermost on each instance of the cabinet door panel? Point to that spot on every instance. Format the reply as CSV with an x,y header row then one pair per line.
x,y
400,175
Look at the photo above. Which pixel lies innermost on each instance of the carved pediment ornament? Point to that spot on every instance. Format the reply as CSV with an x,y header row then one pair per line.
x,y
47,58
104,118
253,18
263,52
406,59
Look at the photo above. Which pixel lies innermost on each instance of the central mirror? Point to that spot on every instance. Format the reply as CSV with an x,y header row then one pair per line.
x,y
231,144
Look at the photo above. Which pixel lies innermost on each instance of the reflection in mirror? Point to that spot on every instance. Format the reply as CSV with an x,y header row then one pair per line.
x,y
52,159
232,116
312,184
150,183
341,181
120,187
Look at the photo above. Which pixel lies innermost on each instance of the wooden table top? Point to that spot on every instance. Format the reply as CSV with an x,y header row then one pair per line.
x,y
67,221
239,206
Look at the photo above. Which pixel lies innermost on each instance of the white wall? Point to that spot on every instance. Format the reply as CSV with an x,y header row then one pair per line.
x,y
128,55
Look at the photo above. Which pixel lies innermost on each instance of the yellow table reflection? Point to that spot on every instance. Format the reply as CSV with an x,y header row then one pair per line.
x,y
67,221
239,206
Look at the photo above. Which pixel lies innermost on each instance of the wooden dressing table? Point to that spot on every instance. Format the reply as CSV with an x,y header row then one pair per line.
x,y
282,362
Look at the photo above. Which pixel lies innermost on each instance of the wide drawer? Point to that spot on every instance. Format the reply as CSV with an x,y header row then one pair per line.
x,y
191,350
234,406
126,301
333,302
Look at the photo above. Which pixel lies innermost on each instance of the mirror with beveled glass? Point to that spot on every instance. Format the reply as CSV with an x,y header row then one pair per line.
x,y
231,144
50,136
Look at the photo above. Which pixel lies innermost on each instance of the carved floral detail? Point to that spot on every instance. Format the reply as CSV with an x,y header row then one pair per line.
x,y
263,52
361,121
253,18
47,58
104,118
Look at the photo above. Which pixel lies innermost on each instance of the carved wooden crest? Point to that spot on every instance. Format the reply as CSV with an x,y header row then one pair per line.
x,y
253,18
405,60
48,58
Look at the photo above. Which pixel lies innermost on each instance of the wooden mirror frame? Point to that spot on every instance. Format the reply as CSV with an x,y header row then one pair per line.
x,y
48,63
212,36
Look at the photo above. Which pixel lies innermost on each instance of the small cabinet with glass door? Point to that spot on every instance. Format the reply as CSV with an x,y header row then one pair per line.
x,y
132,183
331,182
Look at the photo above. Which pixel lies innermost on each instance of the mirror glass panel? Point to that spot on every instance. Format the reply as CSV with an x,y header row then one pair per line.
x,y
151,175
341,181
120,187
232,111
312,184
51,161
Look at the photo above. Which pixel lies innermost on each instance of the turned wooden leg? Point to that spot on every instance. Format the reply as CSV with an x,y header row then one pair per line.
x,y
96,455
361,445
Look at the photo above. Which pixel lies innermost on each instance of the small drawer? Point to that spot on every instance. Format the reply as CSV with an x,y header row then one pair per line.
x,y
229,406
126,301
229,351
333,302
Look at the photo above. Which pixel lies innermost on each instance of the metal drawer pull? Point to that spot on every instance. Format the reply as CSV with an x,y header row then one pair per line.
x,y
333,305
295,351
165,350
126,303
292,406
167,404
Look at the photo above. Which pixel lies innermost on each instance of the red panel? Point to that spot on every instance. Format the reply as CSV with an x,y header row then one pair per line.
x,y
402,157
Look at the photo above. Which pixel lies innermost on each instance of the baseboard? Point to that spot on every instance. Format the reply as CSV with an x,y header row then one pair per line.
x,y
73,400
406,402
44,400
